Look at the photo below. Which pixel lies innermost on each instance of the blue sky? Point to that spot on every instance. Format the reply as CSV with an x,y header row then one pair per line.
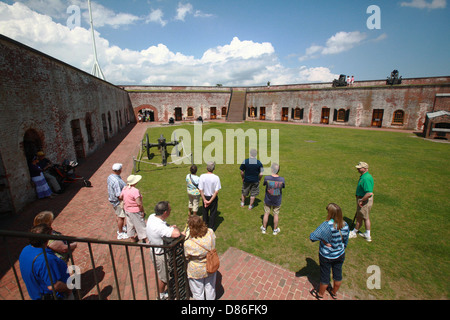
x,y
238,43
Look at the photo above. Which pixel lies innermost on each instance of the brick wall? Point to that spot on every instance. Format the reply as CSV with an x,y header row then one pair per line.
x,y
41,100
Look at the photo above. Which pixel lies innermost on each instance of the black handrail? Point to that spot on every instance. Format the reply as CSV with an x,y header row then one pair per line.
x,y
176,244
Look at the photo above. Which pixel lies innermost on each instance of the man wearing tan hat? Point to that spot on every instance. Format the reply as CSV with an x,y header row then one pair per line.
x,y
364,201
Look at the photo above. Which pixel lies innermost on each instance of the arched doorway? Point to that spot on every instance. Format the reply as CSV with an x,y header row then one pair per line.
x,y
32,143
149,111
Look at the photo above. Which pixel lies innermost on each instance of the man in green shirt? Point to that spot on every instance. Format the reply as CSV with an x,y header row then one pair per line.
x,y
364,201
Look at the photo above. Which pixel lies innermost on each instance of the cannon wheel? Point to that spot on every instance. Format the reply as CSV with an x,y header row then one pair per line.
x,y
146,145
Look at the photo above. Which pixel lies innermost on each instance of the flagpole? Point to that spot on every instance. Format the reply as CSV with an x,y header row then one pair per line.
x,y
96,70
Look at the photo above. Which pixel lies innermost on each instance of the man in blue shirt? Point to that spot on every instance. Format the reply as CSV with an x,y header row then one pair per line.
x,y
251,172
34,269
272,200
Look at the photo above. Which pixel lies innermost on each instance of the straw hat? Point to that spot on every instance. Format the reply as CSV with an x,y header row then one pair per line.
x,y
133,179
362,165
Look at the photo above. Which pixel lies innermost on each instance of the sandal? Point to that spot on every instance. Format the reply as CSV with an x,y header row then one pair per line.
x,y
330,291
315,294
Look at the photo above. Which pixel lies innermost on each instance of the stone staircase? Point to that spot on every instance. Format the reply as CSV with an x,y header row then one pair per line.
x,y
236,109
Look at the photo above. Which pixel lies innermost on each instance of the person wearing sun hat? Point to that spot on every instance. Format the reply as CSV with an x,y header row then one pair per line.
x,y
134,209
364,201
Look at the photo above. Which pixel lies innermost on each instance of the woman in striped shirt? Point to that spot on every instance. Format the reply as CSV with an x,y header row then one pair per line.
x,y
333,237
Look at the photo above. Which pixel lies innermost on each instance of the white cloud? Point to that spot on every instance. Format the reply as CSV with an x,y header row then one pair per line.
x,y
187,9
317,74
103,16
343,41
238,49
183,10
156,16
340,42
239,63
422,4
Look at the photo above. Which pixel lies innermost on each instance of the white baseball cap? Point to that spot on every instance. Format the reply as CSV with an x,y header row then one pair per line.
x,y
117,166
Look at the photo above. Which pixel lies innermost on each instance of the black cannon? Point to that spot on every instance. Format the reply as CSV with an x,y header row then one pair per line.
x,y
162,146
394,78
341,82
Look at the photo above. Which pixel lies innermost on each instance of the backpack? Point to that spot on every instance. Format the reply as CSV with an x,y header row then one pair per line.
x,y
212,259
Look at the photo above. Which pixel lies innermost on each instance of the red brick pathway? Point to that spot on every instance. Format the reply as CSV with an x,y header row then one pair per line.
x,y
86,212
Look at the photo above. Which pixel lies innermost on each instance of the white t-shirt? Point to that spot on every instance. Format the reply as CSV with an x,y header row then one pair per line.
x,y
156,229
209,183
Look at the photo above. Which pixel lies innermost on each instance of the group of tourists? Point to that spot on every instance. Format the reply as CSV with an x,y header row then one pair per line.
x,y
126,199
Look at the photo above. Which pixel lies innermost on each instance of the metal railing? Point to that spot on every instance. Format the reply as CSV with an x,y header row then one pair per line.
x,y
175,262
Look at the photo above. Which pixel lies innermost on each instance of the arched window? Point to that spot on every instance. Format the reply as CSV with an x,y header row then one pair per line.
x,y
398,118
224,112
190,112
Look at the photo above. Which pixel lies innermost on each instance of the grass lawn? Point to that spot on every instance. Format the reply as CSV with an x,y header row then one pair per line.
x,y
409,217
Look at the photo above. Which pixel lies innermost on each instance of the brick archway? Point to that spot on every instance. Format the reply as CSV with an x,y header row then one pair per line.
x,y
146,106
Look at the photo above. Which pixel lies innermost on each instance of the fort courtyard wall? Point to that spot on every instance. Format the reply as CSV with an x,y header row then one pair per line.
x,y
51,106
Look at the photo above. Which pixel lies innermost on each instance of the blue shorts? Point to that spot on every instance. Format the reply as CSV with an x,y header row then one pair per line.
x,y
327,265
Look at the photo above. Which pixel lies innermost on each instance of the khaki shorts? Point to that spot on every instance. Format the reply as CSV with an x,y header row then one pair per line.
x,y
193,202
119,210
364,211
136,225
276,209
250,187
160,267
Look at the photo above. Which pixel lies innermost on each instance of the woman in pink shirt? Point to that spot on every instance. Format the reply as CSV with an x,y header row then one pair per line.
x,y
134,209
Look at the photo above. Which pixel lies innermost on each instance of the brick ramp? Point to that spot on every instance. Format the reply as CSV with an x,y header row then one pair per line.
x,y
236,109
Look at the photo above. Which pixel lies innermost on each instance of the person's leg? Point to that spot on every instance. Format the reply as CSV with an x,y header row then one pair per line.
x,y
210,286
252,200
276,212
197,289
265,218
337,275
213,213
325,269
206,211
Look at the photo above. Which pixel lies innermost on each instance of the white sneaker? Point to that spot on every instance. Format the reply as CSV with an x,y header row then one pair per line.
x,y
164,295
276,231
242,204
365,236
352,234
263,230
121,236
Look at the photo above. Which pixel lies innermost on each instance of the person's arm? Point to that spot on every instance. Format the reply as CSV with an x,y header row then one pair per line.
x,y
365,198
213,196
60,287
139,203
60,247
205,202
176,232
319,234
